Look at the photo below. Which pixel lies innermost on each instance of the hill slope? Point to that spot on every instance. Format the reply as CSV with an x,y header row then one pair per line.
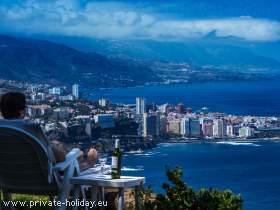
x,y
201,52
37,61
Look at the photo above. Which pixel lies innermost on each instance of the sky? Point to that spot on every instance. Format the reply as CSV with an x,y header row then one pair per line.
x,y
247,20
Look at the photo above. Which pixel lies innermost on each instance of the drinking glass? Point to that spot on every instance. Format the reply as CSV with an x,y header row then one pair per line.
x,y
102,161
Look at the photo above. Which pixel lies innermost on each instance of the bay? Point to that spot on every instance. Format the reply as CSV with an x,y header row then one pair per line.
x,y
260,98
251,169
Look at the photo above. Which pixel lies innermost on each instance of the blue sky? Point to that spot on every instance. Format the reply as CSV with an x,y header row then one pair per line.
x,y
247,20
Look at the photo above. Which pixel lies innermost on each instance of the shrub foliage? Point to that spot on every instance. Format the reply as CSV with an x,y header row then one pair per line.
x,y
179,196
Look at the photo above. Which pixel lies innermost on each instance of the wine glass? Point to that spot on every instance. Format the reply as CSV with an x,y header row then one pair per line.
x,y
102,161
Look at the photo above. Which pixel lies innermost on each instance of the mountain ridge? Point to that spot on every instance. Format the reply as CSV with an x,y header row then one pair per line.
x,y
37,61
208,50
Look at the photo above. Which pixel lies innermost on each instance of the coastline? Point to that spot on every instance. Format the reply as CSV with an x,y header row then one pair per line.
x,y
207,141
142,148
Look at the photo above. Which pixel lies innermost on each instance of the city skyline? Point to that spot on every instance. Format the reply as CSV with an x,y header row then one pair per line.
x,y
50,105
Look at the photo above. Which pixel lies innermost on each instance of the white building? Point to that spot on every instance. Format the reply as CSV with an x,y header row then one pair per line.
x,y
246,132
105,120
103,102
55,91
140,106
38,96
219,128
76,91
230,132
185,126
66,98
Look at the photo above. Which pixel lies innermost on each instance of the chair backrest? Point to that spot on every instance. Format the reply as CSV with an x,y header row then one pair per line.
x,y
24,163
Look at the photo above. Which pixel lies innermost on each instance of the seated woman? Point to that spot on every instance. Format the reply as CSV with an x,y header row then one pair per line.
x,y
13,105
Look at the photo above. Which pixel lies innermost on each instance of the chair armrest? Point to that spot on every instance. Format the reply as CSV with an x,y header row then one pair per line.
x,y
69,159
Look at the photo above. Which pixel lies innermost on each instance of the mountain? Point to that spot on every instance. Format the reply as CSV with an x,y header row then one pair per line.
x,y
208,50
129,63
43,61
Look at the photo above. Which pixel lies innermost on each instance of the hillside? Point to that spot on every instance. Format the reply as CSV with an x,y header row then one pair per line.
x,y
205,51
37,61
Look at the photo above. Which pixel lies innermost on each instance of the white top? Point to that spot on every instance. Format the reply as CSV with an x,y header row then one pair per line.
x,y
107,181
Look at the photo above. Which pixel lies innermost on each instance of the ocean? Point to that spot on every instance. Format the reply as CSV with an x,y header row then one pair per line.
x,y
251,169
241,98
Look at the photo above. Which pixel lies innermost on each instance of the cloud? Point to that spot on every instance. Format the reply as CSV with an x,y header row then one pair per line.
x,y
113,20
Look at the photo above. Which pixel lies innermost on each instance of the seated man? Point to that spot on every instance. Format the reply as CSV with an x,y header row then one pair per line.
x,y
13,106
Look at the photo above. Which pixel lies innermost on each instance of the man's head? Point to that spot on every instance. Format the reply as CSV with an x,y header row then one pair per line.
x,y
12,105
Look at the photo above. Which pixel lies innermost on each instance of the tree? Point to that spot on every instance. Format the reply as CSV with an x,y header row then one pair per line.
x,y
179,196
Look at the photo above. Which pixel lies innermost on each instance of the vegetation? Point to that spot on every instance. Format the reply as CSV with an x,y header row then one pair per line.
x,y
179,196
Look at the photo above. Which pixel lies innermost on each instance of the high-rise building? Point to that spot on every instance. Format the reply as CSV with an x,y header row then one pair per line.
x,y
190,127
151,124
163,124
246,132
207,128
76,91
219,128
230,132
185,127
195,127
140,106
236,130
174,126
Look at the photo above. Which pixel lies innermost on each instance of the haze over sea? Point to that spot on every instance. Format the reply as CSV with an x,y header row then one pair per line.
x,y
252,169
259,98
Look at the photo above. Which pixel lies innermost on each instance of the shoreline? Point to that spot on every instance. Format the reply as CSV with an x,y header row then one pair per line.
x,y
200,141
207,141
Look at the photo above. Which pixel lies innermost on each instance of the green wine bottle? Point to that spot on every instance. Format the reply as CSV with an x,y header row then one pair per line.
x,y
116,161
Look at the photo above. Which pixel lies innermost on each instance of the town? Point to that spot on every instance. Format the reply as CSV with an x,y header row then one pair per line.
x,y
68,117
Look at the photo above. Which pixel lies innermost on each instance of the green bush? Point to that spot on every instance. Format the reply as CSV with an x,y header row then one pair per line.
x,y
179,196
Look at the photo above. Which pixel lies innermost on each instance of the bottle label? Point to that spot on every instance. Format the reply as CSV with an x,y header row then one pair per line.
x,y
114,162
